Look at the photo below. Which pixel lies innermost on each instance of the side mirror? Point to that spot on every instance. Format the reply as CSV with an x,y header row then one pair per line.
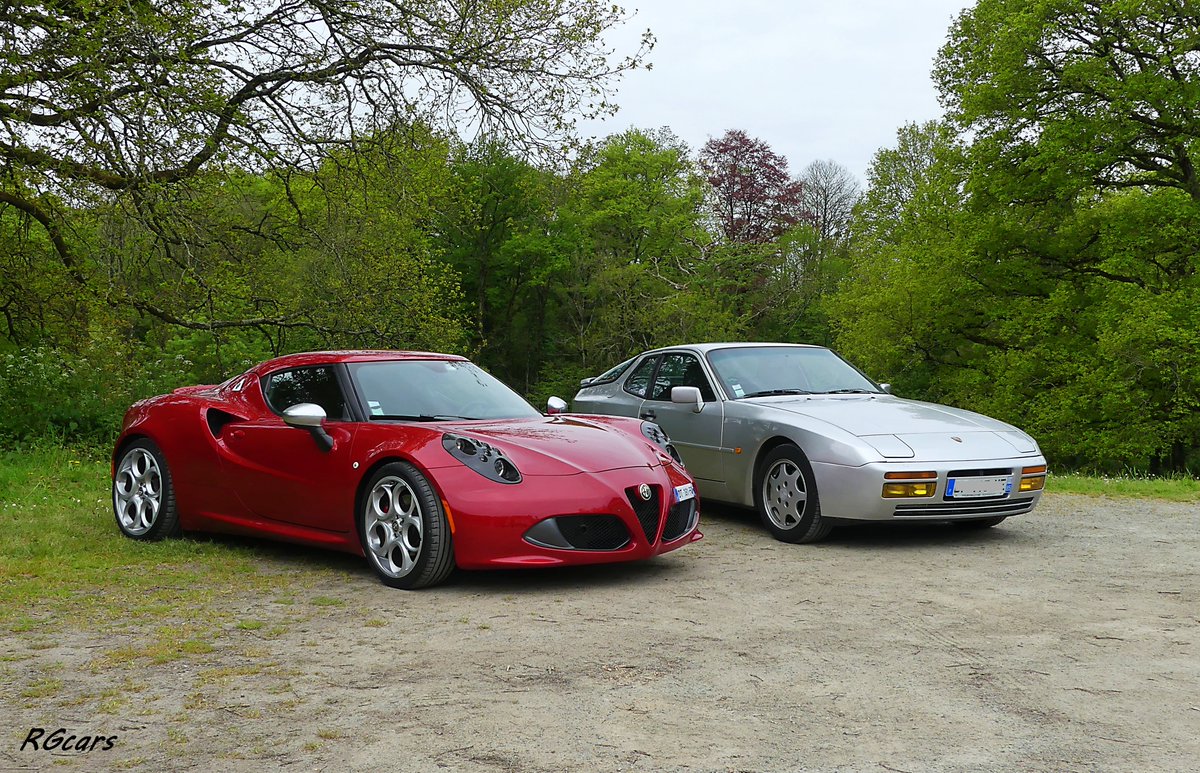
x,y
886,388
305,415
688,395
311,417
555,406
586,381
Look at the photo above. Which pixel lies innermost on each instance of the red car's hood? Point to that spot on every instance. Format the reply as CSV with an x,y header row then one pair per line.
x,y
566,445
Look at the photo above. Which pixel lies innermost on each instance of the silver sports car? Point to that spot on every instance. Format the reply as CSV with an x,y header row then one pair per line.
x,y
800,434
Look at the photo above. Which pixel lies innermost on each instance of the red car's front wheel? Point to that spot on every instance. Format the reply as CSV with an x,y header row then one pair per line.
x,y
405,532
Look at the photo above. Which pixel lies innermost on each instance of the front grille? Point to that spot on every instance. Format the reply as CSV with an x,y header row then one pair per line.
x,y
679,519
980,473
593,532
648,511
976,509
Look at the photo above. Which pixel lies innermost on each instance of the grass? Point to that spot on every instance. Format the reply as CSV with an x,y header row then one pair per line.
x,y
63,559
1178,488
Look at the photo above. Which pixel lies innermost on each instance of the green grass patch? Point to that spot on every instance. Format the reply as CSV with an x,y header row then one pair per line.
x,y
63,561
1180,488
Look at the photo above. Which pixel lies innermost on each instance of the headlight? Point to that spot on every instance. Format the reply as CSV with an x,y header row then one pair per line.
x,y
658,436
483,458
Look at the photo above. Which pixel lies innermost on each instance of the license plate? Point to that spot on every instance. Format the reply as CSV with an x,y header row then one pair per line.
x,y
969,488
686,491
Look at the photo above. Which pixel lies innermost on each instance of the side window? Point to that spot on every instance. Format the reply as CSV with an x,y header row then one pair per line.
x,y
639,381
306,385
681,370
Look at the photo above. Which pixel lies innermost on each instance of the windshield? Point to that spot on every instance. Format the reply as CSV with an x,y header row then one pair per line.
x,y
435,390
757,371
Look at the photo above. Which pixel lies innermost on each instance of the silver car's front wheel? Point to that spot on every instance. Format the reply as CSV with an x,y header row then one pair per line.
x,y
405,532
786,496
143,497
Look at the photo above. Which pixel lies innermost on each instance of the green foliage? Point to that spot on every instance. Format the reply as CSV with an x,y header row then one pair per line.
x,y
55,393
1046,271
1035,256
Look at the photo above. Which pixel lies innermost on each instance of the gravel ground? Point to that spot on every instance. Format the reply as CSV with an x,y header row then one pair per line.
x,y
1067,639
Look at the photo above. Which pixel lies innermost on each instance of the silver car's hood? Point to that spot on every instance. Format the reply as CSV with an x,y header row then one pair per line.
x,y
925,430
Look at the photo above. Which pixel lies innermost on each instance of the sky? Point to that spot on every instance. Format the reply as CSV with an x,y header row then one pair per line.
x,y
814,79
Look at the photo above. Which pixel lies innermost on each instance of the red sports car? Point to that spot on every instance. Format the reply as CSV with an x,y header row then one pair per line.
x,y
418,461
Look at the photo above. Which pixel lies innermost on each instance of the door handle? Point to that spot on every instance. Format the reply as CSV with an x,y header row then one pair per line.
x,y
238,434
649,414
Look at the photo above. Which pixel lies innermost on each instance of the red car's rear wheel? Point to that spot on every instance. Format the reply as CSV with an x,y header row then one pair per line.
x,y
143,497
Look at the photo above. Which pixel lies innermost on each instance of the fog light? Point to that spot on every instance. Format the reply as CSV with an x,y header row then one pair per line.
x,y
1036,483
902,490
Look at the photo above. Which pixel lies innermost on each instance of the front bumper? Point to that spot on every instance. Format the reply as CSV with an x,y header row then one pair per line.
x,y
492,523
855,493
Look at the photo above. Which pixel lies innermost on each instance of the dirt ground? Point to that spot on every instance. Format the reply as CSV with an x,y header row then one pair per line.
x,y
1068,639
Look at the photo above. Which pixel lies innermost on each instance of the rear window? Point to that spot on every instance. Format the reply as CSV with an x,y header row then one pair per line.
x,y
612,374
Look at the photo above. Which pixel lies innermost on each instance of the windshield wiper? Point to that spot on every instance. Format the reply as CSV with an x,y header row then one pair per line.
x,y
417,417
851,392
770,392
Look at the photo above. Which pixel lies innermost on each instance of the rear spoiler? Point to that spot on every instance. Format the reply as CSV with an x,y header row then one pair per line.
x,y
191,390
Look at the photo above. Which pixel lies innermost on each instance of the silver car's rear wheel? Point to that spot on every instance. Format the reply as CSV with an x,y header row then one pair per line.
x,y
405,532
143,497
786,496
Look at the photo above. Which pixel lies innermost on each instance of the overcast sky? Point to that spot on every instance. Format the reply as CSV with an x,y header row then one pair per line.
x,y
814,79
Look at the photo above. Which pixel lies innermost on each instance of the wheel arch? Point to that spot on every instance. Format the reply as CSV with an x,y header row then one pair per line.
x,y
122,444
769,445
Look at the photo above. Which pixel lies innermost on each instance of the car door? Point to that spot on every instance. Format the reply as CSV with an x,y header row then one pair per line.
x,y
697,436
279,471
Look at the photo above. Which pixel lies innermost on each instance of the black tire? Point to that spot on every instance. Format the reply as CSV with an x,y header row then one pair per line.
x,y
401,517
787,524
142,493
980,523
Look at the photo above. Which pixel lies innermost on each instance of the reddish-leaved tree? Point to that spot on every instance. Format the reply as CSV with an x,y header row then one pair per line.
x,y
755,198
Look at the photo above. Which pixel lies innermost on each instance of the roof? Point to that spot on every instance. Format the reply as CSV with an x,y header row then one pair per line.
x,y
351,355
713,346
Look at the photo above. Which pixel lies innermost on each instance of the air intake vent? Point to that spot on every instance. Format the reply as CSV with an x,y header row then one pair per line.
x,y
593,532
679,519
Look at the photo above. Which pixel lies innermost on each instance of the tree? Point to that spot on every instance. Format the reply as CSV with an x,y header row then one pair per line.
x,y
497,227
896,175
105,103
908,310
1043,268
637,277
1065,94
828,194
754,197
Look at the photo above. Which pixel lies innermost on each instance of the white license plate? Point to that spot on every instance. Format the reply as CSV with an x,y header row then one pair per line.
x,y
968,488
686,491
